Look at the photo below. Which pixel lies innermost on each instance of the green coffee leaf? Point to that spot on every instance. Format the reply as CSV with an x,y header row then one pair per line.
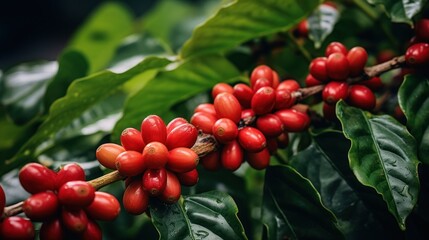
x,y
210,215
414,101
292,208
383,155
401,11
244,20
321,23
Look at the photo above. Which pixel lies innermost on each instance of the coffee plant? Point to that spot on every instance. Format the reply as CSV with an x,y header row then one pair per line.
x,y
246,119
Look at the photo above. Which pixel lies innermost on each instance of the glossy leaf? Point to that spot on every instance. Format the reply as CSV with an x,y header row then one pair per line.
x,y
292,208
211,215
171,87
81,96
414,101
383,155
321,23
401,11
23,88
240,21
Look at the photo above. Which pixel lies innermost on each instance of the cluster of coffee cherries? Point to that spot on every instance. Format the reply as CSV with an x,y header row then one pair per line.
x,y
417,54
334,69
156,161
250,122
63,202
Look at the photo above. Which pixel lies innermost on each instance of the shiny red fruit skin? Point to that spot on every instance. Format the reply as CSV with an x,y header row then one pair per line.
x,y
16,228
188,178
153,129
276,79
422,29
293,120
361,96
289,84
203,121
247,114
76,194
92,232
107,153
231,156
334,92
74,220
172,190
41,206
35,178
262,82
131,139
211,161
251,139
182,160
51,230
263,100
335,47
2,200
302,28
105,207
312,81
220,88
357,58
329,112
244,94
155,155
135,199
183,135
225,130
337,67
318,69
154,181
179,121
259,160
261,71
418,54
70,172
374,83
206,108
270,125
284,99
130,163
227,106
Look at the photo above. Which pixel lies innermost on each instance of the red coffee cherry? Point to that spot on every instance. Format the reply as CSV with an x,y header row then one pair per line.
x,y
247,114
182,160
276,79
51,230
105,207
244,94
35,178
135,199
259,160
76,194
227,106
211,161
16,228
207,108
417,54
188,178
362,97
337,67
374,83
107,153
263,100
251,139
70,172
329,112
422,29
335,47
203,121
92,232
334,91
270,125
183,135
2,200
179,121
225,130
155,155
172,190
74,220
262,82
290,84
312,81
293,120
130,163
131,139
153,129
220,88
272,145
231,156
284,99
302,29
261,71
283,140
154,181
41,206
318,69
385,55
357,58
